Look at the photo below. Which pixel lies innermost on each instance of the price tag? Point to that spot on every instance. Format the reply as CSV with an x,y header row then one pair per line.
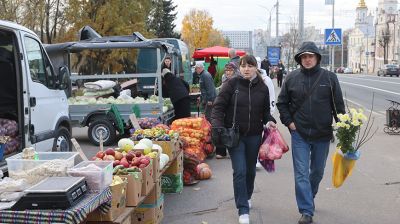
x,y
134,122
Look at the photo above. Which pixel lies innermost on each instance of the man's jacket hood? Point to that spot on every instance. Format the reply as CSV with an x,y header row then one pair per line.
x,y
307,46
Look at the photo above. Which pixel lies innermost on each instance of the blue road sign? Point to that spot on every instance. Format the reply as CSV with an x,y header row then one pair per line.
x,y
333,36
274,54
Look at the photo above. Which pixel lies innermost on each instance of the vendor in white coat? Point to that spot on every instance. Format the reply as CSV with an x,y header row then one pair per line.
x,y
268,81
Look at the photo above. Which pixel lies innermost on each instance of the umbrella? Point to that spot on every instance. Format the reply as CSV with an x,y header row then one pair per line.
x,y
216,51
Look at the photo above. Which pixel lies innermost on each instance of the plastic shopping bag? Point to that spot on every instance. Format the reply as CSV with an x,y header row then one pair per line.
x,y
342,168
273,146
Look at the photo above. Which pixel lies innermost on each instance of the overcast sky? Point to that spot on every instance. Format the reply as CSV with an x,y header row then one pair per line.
x,y
248,15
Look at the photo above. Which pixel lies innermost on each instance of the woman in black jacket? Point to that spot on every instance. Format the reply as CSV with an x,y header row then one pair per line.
x,y
253,110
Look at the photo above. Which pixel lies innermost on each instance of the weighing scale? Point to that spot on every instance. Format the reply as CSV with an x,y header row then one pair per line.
x,y
53,193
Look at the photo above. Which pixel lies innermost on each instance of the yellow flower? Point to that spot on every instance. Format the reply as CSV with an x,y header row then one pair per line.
x,y
346,117
347,126
360,110
355,123
353,111
340,124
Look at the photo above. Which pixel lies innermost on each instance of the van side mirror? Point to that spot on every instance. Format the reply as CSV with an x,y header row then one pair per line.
x,y
63,77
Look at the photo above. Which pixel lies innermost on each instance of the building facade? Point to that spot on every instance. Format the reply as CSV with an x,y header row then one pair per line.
x,y
241,40
387,34
361,45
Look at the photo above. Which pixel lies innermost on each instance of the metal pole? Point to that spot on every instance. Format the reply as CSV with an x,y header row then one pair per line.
x,y
277,20
301,20
333,26
367,54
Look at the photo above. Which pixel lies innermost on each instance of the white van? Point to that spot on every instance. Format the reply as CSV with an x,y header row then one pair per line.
x,y
32,93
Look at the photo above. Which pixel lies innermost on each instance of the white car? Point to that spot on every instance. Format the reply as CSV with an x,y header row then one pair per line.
x,y
348,71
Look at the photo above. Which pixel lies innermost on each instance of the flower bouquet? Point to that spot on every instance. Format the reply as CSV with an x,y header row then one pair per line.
x,y
351,137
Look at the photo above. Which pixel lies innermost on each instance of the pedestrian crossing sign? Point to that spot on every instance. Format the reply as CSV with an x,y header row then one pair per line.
x,y
333,36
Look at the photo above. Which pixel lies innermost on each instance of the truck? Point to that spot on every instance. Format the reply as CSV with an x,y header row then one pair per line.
x,y
130,58
32,94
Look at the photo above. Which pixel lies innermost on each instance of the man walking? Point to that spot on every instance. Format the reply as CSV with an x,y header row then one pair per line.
x,y
309,98
233,57
207,89
266,65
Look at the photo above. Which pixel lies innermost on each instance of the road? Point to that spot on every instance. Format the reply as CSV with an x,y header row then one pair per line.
x,y
371,195
359,89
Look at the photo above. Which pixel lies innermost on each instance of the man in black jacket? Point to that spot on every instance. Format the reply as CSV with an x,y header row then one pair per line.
x,y
310,97
266,65
177,90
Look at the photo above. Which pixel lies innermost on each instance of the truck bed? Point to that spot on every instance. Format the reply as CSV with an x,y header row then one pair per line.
x,y
152,110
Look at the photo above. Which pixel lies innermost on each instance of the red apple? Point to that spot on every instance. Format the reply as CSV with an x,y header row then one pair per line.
x,y
124,160
130,156
142,166
144,161
110,151
100,154
138,153
124,163
116,163
136,161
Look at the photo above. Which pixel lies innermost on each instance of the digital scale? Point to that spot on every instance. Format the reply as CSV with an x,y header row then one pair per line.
x,y
53,193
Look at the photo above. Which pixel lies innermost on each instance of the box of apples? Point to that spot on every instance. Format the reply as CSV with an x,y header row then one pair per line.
x,y
125,162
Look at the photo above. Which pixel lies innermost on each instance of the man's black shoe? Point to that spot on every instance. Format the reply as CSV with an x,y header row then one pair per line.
x,y
305,219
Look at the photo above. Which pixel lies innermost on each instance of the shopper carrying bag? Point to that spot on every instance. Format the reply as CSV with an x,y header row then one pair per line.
x,y
244,103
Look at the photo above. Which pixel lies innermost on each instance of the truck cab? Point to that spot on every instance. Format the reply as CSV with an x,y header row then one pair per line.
x,y
33,103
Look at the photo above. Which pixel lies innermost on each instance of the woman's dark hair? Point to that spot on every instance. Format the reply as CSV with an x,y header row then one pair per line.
x,y
248,59
168,57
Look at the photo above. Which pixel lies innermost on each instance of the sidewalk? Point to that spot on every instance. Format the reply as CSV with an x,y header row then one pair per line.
x,y
363,199
211,201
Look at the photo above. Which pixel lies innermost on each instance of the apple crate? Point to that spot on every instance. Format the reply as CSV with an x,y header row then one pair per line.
x,y
96,180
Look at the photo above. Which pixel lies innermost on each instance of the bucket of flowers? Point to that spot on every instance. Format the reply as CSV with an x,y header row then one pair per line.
x,y
351,136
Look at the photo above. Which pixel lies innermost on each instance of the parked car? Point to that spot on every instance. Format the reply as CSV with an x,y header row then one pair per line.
x,y
348,71
389,69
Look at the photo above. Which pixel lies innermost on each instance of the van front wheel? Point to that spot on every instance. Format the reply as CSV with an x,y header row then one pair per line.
x,y
62,140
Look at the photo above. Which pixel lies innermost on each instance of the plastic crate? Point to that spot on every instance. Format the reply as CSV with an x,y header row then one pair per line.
x,y
48,164
96,180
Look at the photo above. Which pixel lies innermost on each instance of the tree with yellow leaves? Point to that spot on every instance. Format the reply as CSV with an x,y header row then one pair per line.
x,y
198,32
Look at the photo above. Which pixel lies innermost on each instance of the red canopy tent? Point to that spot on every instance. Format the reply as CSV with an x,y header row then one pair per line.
x,y
216,51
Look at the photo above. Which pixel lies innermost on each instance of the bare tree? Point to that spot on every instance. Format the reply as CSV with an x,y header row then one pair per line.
x,y
383,41
291,42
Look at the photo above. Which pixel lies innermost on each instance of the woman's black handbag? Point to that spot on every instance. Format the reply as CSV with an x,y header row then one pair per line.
x,y
227,137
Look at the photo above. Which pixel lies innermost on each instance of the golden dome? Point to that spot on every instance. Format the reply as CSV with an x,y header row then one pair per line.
x,y
362,4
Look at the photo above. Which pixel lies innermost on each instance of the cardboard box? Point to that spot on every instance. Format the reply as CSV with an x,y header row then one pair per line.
x,y
156,167
118,202
147,177
125,217
176,166
154,194
160,212
134,188
148,213
171,183
171,148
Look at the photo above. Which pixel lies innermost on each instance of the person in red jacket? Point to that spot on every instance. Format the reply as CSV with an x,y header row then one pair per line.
x,y
212,69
